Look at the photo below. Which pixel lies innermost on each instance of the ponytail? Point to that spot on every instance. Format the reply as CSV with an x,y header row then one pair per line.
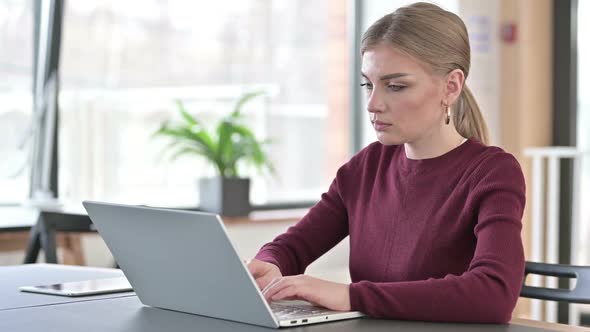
x,y
468,119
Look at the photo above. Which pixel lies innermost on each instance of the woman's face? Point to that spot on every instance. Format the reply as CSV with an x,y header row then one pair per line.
x,y
404,99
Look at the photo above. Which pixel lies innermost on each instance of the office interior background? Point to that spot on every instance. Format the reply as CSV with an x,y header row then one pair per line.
x,y
122,65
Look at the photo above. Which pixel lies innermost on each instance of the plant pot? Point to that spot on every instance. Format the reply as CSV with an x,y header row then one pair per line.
x,y
226,196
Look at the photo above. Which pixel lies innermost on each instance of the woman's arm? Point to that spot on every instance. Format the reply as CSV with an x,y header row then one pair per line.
x,y
324,226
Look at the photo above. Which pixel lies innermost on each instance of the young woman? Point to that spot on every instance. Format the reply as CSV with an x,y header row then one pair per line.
x,y
433,213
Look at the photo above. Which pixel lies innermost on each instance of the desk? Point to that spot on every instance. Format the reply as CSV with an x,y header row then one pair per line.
x,y
129,315
42,225
12,277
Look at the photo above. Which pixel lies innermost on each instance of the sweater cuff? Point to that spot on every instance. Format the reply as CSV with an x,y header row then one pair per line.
x,y
267,257
354,292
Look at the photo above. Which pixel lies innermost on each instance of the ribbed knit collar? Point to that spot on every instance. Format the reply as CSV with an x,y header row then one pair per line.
x,y
449,160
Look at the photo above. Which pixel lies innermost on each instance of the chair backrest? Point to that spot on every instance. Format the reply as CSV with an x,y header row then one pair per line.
x,y
580,294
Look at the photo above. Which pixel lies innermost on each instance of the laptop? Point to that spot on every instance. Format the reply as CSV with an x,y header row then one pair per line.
x,y
184,261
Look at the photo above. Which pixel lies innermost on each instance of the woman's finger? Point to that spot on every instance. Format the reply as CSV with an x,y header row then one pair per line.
x,y
257,270
263,282
270,285
287,293
274,287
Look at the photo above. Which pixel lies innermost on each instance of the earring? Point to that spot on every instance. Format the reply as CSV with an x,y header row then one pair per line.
x,y
448,117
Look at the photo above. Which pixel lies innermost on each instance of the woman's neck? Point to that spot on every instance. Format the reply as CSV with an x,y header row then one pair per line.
x,y
433,146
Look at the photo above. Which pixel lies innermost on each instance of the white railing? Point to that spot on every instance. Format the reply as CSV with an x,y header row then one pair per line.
x,y
545,229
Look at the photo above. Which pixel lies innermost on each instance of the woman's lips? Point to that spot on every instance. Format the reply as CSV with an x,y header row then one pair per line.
x,y
381,126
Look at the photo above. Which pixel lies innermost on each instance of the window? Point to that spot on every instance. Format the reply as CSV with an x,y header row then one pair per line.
x,y
16,41
125,62
583,129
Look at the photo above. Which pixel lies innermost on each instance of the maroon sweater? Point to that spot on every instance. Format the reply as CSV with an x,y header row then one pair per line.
x,y
434,239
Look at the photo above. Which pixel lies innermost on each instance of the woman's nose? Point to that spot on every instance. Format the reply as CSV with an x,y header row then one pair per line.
x,y
375,103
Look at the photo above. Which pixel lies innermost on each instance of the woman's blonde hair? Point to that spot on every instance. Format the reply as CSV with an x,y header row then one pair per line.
x,y
438,38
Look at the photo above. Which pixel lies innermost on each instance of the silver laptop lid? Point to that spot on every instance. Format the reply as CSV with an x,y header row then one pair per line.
x,y
181,260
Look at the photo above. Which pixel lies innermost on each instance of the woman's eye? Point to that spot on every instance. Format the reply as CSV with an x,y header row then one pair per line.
x,y
394,87
367,86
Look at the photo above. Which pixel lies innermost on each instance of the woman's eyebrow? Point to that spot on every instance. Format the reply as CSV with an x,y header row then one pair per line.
x,y
388,76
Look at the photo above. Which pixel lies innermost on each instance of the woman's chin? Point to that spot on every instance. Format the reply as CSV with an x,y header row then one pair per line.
x,y
388,139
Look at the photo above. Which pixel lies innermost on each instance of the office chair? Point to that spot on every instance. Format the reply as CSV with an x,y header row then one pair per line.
x,y
580,294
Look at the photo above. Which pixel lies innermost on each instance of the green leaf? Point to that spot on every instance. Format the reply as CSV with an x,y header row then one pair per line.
x,y
185,151
200,140
185,114
243,101
158,132
164,151
225,148
250,149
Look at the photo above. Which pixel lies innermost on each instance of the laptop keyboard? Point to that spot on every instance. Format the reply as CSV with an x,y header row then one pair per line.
x,y
291,311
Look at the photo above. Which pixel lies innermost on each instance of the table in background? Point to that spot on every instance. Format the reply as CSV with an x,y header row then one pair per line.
x,y
34,229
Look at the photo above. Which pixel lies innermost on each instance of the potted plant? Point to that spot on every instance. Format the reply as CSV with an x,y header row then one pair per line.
x,y
231,143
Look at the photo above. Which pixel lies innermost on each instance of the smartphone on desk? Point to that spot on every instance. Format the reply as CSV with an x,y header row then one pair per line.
x,y
82,288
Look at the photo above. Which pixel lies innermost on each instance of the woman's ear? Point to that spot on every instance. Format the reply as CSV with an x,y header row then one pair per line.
x,y
454,85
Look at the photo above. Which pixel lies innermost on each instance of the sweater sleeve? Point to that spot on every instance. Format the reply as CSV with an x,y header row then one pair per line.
x,y
324,226
487,292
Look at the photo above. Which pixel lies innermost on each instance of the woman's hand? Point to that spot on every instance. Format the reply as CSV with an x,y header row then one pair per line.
x,y
332,295
263,272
